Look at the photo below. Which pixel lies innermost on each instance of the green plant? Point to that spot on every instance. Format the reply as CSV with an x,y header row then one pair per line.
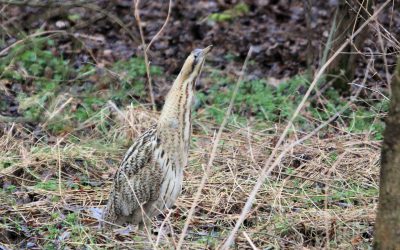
x,y
37,67
131,74
47,77
71,219
257,99
238,10
10,188
52,232
5,164
50,185
282,225
88,107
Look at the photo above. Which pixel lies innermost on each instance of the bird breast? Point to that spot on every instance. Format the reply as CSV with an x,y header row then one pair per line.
x,y
172,176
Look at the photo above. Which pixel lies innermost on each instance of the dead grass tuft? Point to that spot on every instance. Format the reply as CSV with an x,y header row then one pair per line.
x,y
324,189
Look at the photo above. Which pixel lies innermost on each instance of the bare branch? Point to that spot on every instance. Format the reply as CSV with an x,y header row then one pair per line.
x,y
146,58
162,28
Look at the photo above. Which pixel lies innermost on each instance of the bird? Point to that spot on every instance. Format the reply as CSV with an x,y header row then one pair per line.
x,y
149,178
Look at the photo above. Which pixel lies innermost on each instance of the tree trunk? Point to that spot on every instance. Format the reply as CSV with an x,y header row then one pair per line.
x,y
387,226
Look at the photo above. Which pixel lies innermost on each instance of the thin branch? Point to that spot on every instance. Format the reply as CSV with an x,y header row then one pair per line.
x,y
268,167
59,167
162,28
162,226
213,151
146,58
113,18
147,47
250,241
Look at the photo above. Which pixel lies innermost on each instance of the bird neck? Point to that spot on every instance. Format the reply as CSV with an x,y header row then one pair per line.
x,y
176,113
177,108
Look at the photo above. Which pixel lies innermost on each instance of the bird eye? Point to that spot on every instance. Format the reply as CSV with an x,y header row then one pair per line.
x,y
196,54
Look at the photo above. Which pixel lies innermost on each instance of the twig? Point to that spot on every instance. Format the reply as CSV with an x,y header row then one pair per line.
x,y
250,241
146,58
162,28
213,151
387,35
113,18
59,167
268,167
329,42
327,215
162,226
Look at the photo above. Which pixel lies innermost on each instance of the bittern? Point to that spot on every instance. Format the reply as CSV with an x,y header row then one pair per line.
x,y
150,176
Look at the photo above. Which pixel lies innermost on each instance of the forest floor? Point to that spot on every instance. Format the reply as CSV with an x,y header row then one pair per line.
x,y
73,97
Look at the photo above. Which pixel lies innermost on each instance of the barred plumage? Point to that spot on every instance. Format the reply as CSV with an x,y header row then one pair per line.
x,y
150,176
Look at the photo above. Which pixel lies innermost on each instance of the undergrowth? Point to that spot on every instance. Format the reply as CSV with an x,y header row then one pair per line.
x,y
44,80
268,105
79,136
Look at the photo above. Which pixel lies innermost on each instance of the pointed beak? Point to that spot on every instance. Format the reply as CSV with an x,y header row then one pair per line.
x,y
207,50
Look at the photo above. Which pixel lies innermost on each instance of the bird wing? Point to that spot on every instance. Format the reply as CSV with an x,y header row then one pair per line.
x,y
136,181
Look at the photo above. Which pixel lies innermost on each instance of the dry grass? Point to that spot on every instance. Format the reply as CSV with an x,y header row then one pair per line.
x,y
323,194
325,189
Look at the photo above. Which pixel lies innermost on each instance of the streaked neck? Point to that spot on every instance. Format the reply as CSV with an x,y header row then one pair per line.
x,y
178,101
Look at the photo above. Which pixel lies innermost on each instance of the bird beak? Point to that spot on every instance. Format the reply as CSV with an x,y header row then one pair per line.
x,y
207,50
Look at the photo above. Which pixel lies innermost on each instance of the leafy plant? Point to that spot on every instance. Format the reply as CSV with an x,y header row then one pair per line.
x,y
10,188
238,10
34,65
50,185
131,73
47,75
256,99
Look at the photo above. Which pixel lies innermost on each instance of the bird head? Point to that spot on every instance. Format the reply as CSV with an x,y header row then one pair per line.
x,y
181,93
194,63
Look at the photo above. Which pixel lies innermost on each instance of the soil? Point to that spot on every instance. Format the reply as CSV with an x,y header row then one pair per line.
x,y
276,29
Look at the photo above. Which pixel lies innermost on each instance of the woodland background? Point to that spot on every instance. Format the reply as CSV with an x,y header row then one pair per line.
x,y
75,93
